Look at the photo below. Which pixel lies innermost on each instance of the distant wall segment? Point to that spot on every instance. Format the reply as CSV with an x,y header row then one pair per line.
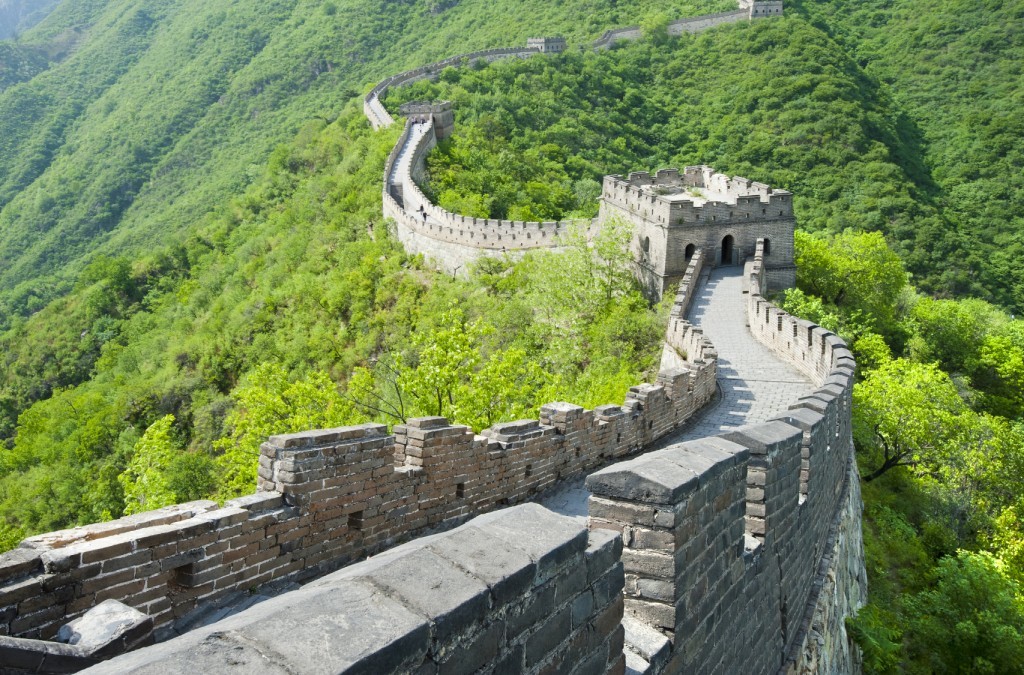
x,y
679,27
667,230
451,240
380,118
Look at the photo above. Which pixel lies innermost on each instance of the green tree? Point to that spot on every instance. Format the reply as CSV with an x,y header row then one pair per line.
x,y
269,403
972,621
146,481
1000,373
655,27
854,272
446,359
907,414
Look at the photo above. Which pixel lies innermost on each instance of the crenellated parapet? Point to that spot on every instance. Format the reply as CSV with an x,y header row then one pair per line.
x,y
519,591
327,498
731,540
696,197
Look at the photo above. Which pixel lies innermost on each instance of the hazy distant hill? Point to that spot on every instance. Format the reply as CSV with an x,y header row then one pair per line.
x,y
20,15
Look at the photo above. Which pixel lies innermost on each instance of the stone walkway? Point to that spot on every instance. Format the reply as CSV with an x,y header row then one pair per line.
x,y
401,174
755,384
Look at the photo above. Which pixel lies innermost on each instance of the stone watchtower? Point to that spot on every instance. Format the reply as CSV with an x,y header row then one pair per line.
x,y
440,112
760,9
547,45
676,214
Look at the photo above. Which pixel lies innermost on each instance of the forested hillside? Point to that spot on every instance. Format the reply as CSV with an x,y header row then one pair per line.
x,y
938,408
116,202
954,71
192,255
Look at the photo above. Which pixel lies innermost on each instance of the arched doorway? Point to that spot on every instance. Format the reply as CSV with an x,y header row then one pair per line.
x,y
690,250
727,249
767,247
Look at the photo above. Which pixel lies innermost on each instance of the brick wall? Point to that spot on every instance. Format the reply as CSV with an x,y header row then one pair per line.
x,y
329,497
522,591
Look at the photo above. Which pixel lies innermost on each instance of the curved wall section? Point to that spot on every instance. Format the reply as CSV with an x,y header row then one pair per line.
x,y
450,239
381,118
744,549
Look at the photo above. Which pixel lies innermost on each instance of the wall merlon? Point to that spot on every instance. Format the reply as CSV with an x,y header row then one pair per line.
x,y
767,438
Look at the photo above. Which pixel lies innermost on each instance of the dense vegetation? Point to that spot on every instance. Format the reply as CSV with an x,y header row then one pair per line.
x,y
243,330
953,70
939,431
173,288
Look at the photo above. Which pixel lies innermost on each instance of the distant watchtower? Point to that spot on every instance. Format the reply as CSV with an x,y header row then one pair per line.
x,y
440,112
547,45
760,9
674,215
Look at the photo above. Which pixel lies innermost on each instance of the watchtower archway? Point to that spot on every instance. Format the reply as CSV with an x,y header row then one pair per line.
x,y
728,250
767,247
690,250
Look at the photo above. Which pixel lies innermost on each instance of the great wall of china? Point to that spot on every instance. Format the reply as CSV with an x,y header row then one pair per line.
x,y
734,550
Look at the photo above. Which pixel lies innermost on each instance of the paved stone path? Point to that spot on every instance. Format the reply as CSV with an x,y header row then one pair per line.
x,y
401,174
755,384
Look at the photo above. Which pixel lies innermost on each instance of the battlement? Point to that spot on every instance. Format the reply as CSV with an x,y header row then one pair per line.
x,y
547,45
439,114
760,9
676,213
699,194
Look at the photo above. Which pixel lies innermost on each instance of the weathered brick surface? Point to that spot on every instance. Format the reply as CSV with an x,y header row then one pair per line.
x,y
492,594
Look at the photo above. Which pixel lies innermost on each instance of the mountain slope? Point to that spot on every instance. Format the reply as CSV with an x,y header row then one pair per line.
x,y
955,70
164,105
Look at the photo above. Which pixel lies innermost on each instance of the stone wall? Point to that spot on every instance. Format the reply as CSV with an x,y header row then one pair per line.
x,y
751,538
380,118
519,591
450,240
690,25
329,497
